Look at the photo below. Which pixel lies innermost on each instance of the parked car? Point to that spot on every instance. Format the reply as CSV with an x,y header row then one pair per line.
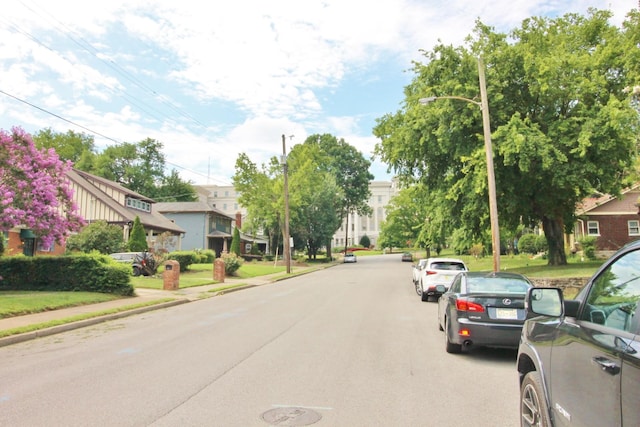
x,y
142,263
483,310
407,257
417,267
434,272
350,257
579,360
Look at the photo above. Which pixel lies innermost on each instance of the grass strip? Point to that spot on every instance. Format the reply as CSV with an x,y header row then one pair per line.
x,y
76,318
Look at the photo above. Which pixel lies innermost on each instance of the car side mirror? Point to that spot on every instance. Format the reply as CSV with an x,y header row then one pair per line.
x,y
545,302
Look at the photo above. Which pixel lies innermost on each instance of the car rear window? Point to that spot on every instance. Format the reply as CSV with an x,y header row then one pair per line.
x,y
498,285
448,266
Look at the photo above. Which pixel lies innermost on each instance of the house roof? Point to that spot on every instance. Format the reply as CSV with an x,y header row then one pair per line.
x,y
592,203
154,219
185,207
218,233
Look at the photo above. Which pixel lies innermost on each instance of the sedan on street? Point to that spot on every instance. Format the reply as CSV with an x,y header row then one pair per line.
x,y
484,310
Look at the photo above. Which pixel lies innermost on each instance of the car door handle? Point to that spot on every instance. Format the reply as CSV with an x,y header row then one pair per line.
x,y
607,365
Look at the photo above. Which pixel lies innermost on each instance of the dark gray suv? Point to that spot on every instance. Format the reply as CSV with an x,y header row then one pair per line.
x,y
579,360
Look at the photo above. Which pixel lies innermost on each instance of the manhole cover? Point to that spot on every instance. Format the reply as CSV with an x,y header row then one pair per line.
x,y
292,417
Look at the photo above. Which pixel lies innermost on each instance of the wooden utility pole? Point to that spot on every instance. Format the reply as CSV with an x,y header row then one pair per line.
x,y
286,248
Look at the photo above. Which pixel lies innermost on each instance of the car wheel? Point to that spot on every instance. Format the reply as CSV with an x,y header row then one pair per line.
x,y
533,405
423,295
448,345
136,271
418,289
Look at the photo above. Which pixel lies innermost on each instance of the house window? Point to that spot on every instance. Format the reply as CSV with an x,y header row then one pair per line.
x,y
634,227
593,228
215,194
138,204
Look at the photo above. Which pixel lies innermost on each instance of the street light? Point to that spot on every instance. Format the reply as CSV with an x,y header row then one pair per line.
x,y
493,204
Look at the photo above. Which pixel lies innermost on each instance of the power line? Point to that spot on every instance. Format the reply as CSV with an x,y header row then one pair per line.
x,y
58,116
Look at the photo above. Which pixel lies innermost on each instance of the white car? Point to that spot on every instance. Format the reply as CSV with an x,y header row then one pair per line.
x,y
350,257
437,271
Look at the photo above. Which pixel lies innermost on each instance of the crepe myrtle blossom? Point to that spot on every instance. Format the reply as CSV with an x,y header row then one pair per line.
x,y
34,189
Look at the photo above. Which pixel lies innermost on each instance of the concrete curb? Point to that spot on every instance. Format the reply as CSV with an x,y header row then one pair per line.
x,y
14,339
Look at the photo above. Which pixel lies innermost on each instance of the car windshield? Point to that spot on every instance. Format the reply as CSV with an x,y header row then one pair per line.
x,y
497,285
448,266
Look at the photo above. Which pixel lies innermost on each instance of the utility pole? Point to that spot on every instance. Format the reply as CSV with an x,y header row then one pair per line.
x,y
286,248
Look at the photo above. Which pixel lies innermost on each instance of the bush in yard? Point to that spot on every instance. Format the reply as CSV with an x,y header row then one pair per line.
x,y
97,236
588,245
207,256
82,272
528,244
365,242
235,242
138,238
185,258
232,263
541,243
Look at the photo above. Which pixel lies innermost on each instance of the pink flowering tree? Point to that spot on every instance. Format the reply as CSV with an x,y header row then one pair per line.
x,y
34,189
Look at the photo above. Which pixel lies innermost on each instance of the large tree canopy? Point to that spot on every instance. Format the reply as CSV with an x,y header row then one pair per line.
x,y
34,189
562,122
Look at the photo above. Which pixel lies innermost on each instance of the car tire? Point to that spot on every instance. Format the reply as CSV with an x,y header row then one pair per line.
x,y
423,295
136,271
533,405
448,345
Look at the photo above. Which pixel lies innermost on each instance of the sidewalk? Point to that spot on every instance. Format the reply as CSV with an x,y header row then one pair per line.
x,y
155,297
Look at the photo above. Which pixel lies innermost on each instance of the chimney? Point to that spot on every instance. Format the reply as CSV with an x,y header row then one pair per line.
x,y
239,220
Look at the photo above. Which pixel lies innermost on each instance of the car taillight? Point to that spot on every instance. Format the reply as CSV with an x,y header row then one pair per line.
x,y
464,305
428,272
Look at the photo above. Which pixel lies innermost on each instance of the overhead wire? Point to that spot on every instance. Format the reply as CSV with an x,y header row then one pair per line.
x,y
83,44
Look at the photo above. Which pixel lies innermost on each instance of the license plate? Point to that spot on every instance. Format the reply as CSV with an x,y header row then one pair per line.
x,y
506,313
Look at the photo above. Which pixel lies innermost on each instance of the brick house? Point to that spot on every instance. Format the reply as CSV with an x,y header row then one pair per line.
x,y
613,221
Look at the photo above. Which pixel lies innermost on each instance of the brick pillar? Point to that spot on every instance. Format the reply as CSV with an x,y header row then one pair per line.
x,y
171,275
218,270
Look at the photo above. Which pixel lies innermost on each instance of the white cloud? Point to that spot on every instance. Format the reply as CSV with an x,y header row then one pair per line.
x,y
211,80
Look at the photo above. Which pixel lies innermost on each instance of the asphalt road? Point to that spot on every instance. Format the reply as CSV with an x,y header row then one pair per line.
x,y
351,345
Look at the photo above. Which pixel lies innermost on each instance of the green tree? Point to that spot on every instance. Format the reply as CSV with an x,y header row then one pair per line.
x,y
138,238
97,236
261,192
351,173
70,146
235,241
365,241
174,189
562,123
314,197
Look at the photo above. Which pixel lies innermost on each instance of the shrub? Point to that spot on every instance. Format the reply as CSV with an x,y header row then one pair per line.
x,y
184,258
207,256
82,272
232,263
365,241
138,238
541,243
528,244
97,236
588,245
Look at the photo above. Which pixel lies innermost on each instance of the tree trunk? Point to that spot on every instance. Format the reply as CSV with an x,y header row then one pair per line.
x,y
554,232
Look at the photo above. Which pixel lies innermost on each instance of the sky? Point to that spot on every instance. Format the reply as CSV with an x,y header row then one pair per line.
x,y
211,80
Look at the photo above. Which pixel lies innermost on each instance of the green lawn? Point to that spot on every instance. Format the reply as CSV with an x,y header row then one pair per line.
x,y
16,303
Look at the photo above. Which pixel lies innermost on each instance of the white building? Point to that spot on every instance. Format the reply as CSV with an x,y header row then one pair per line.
x,y
225,199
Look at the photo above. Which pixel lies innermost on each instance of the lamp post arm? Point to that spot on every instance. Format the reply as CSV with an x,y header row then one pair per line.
x,y
430,99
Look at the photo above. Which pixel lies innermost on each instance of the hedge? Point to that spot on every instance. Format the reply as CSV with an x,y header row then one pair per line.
x,y
82,272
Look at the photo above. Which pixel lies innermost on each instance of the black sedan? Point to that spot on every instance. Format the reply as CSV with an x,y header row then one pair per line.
x,y
484,310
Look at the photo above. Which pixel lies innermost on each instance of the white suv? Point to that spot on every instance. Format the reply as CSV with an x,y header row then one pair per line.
x,y
437,271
